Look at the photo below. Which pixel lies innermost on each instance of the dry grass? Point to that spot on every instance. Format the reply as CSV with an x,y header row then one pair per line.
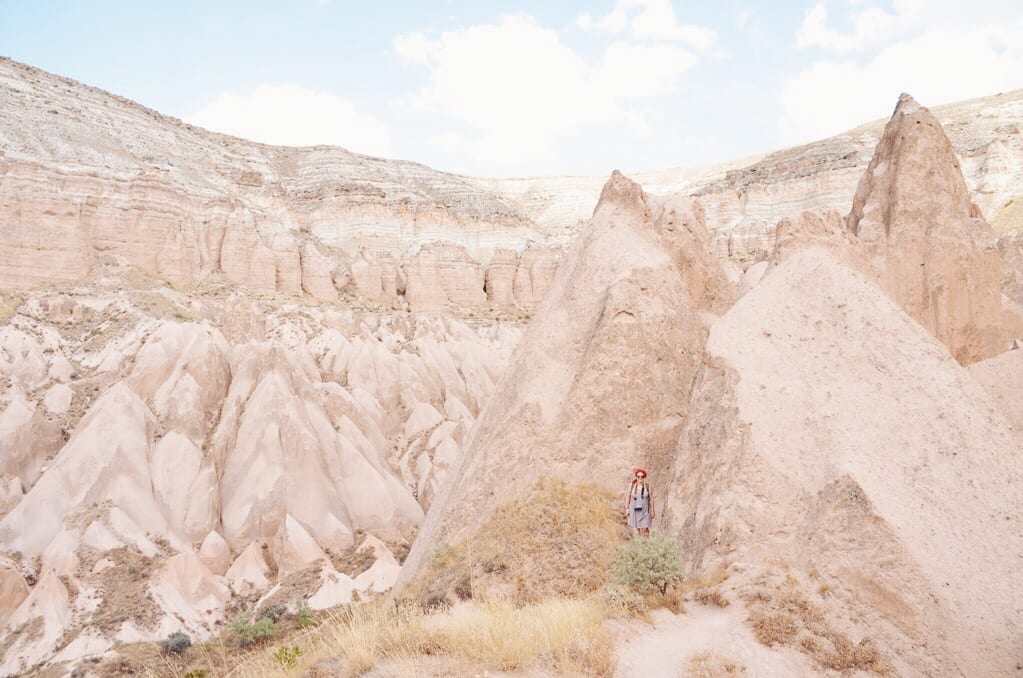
x,y
9,307
706,665
784,616
564,634
559,540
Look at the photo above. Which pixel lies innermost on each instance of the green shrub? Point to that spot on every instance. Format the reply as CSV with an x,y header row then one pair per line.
x,y
287,657
176,643
196,673
246,632
649,564
304,617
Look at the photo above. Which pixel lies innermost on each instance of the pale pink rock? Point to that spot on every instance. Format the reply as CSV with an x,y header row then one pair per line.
x,y
936,254
336,589
424,417
366,276
49,601
287,264
831,432
624,309
215,554
316,275
249,573
58,398
244,259
13,589
294,549
500,277
443,274
189,594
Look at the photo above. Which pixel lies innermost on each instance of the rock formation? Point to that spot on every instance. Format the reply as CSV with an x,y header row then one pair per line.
x,y
227,367
833,439
213,445
935,253
624,310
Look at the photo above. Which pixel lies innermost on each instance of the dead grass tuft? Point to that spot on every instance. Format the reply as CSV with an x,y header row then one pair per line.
x,y
712,597
559,540
773,628
706,665
784,616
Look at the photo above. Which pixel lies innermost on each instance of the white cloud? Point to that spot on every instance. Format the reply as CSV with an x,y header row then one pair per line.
x,y
938,66
649,20
937,50
290,115
521,90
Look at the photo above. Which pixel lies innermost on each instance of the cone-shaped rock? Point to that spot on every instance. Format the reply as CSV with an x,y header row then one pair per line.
x,y
600,382
936,255
854,482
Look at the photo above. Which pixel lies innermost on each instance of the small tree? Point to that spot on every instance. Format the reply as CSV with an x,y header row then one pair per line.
x,y
649,564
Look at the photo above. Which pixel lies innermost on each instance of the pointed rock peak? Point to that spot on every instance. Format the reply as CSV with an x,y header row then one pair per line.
x,y
907,104
622,192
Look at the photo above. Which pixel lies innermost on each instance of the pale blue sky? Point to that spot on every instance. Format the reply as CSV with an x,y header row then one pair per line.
x,y
527,88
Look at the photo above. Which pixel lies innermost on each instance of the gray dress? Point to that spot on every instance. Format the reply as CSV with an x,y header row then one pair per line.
x,y
639,506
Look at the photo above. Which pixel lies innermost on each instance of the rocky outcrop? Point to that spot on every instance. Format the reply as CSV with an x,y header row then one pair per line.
x,y
830,439
624,309
215,455
935,253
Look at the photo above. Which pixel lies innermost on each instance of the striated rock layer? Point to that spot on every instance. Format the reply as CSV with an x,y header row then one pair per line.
x,y
85,175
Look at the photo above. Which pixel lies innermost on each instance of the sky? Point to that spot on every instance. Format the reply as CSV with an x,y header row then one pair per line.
x,y
527,88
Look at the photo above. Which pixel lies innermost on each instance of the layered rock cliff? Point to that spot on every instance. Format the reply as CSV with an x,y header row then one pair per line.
x,y
87,176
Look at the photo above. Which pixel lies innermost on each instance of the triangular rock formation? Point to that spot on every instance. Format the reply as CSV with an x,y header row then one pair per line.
x,y
832,441
601,378
936,255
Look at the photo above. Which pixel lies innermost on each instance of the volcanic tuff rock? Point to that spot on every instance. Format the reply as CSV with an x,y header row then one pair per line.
x,y
937,256
744,199
86,175
196,440
831,439
625,310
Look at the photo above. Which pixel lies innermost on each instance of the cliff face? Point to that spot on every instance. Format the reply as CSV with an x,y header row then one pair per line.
x,y
86,175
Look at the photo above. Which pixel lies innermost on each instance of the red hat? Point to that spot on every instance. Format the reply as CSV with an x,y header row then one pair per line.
x,y
640,470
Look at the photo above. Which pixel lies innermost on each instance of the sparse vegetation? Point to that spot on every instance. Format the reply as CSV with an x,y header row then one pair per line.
x,y
176,643
706,665
782,615
287,657
559,540
245,631
650,564
304,617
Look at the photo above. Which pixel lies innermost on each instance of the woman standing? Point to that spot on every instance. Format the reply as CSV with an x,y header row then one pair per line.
x,y
640,505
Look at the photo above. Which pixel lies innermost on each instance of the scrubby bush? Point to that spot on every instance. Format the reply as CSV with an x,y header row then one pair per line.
x,y
245,632
287,657
649,564
304,617
176,643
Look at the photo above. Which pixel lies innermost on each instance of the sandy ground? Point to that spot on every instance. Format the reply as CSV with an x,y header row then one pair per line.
x,y
666,648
